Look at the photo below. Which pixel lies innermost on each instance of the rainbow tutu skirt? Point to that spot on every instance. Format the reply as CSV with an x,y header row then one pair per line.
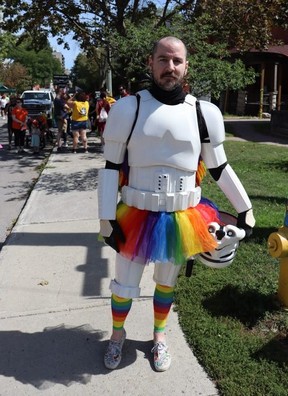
x,y
164,236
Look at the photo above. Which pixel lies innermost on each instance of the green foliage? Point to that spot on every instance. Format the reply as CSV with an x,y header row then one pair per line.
x,y
125,30
14,75
7,41
41,65
87,73
230,316
211,71
245,24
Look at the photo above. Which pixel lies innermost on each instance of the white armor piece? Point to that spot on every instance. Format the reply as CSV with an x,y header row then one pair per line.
x,y
173,142
234,190
107,193
213,155
128,276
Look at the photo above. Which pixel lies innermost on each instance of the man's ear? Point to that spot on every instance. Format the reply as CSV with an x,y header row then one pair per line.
x,y
150,61
186,68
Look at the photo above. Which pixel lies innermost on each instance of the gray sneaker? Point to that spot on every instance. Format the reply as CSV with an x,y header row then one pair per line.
x,y
162,358
113,355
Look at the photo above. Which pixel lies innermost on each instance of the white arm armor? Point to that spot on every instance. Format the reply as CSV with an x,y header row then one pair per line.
x,y
108,180
234,190
212,150
214,156
115,134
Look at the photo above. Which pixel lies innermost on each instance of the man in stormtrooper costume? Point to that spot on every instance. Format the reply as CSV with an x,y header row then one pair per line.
x,y
161,217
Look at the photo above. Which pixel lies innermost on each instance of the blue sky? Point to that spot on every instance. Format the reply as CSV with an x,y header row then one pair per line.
x,y
70,55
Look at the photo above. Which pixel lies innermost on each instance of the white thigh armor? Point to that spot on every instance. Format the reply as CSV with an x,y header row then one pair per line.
x,y
128,275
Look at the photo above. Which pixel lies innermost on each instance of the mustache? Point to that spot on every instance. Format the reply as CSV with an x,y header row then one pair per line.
x,y
167,74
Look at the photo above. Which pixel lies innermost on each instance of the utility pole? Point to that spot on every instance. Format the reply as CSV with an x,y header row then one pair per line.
x,y
109,74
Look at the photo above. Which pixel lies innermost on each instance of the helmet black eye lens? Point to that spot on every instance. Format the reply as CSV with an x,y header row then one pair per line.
x,y
211,229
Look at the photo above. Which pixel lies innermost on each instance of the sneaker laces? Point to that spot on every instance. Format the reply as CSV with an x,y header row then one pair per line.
x,y
113,354
161,354
114,349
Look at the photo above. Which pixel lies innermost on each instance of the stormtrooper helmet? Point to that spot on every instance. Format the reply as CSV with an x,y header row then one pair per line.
x,y
227,236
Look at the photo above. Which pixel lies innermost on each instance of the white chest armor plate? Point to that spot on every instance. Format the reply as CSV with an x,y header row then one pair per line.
x,y
163,156
165,135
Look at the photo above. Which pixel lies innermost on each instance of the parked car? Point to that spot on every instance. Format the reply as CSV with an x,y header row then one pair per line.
x,y
39,102
40,106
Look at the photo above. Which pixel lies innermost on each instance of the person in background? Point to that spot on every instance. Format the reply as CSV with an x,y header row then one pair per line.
x,y
35,136
123,91
9,107
92,113
110,98
19,124
3,102
67,115
161,217
60,119
102,111
80,111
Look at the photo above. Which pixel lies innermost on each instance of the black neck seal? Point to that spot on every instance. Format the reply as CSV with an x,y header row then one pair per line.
x,y
174,97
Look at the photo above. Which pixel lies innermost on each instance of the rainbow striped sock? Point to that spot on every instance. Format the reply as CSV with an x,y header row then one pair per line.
x,y
162,301
120,309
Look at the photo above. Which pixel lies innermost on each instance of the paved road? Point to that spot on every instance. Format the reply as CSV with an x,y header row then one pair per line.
x,y
18,174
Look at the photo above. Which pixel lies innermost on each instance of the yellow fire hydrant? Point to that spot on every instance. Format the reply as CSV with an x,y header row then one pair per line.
x,y
278,247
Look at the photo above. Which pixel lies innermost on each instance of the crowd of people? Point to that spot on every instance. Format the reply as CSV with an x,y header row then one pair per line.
x,y
74,115
77,114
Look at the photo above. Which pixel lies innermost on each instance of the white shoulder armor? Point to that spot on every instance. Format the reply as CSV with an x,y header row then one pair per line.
x,y
214,122
120,119
118,127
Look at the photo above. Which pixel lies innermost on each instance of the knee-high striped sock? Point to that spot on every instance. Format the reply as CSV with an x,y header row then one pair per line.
x,y
163,299
120,309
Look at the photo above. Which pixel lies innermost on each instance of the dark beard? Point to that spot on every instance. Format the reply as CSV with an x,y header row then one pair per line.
x,y
174,97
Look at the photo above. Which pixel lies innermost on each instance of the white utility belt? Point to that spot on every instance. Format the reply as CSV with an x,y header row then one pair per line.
x,y
160,201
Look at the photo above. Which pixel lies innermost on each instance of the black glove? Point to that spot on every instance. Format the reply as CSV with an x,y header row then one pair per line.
x,y
246,221
115,236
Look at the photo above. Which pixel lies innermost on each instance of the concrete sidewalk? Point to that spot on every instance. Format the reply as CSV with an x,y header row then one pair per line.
x,y
55,303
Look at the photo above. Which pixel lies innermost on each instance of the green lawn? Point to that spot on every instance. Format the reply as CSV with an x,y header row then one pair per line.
x,y
231,317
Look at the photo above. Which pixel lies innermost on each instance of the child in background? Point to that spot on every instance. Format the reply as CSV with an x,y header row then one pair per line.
x,y
35,136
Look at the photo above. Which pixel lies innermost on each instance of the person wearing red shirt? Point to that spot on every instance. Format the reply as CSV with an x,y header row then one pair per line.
x,y
19,124
123,92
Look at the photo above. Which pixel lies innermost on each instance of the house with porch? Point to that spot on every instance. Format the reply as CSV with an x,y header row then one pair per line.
x,y
270,90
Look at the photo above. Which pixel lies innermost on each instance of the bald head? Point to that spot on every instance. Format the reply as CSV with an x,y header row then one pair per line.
x,y
169,40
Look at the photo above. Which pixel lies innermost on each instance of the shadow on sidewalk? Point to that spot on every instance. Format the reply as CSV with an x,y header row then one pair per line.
x,y
60,355
95,267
